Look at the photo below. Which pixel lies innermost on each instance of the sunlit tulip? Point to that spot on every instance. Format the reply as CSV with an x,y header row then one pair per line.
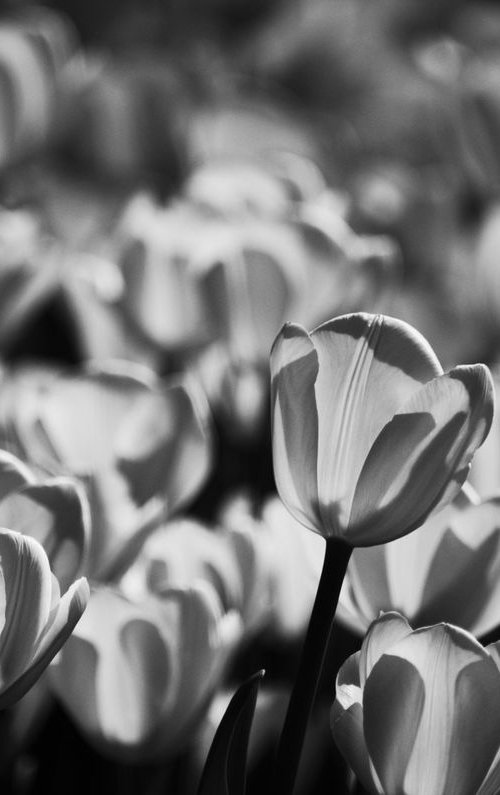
x,y
140,445
446,570
35,619
419,711
369,434
146,672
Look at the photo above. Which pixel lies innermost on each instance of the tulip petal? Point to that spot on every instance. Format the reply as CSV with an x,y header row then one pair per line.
x,y
61,623
13,475
56,513
421,458
491,784
367,577
294,367
164,449
131,669
81,416
382,634
347,729
25,601
461,583
443,676
393,704
361,357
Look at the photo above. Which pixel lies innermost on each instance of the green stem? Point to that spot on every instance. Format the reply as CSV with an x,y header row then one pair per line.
x,y
337,556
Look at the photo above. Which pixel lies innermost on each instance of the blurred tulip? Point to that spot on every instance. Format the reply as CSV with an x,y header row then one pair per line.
x,y
146,672
419,711
275,549
446,570
161,294
235,561
180,554
54,511
238,188
36,620
29,270
369,434
141,446
36,47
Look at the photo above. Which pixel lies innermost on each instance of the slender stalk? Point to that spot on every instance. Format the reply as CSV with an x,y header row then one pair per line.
x,y
337,556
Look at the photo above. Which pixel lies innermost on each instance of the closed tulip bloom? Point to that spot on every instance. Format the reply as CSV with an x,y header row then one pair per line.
x,y
419,711
369,434
446,570
139,676
35,620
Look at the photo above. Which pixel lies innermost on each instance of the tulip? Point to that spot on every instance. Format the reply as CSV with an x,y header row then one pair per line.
x,y
419,711
235,559
446,570
141,446
276,554
369,434
36,620
146,671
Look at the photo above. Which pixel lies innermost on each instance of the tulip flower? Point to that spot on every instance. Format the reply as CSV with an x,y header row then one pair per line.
x,y
369,437
234,558
446,570
36,620
369,434
276,554
419,711
141,446
146,671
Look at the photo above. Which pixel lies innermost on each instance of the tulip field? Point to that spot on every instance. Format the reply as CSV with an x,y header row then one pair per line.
x,y
249,368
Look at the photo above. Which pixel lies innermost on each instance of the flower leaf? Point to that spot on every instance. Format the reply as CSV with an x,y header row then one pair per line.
x,y
225,768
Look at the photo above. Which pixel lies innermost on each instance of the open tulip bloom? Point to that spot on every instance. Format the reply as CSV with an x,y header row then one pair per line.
x,y
419,711
369,436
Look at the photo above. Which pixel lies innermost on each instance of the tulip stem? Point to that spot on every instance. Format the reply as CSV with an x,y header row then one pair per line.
x,y
337,555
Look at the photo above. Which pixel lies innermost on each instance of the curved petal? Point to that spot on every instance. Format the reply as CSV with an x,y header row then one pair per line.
x,y
25,601
347,728
57,514
421,458
369,365
443,675
165,448
130,673
294,368
381,636
13,475
393,703
61,623
82,415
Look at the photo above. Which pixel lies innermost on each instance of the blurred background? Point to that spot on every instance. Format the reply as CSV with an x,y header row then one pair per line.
x,y
178,178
